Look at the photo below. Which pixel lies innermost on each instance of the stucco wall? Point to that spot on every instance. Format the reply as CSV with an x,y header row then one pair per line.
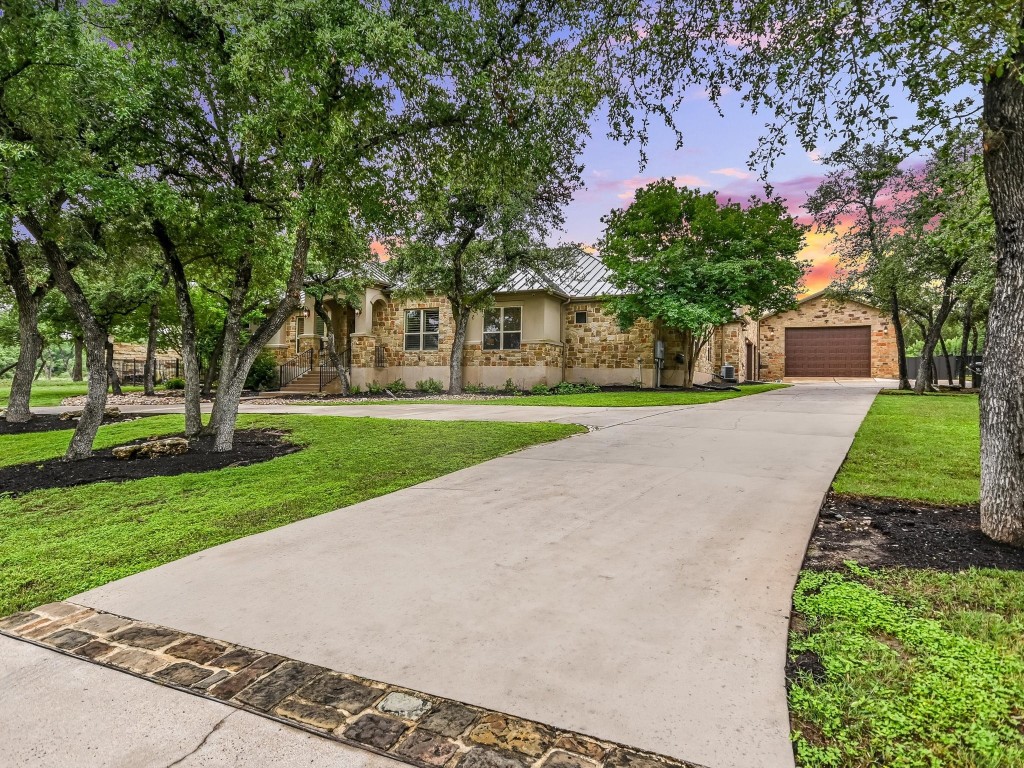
x,y
823,312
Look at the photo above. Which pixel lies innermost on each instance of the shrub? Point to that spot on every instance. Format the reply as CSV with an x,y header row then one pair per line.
x,y
563,388
374,388
398,385
433,386
263,374
474,389
636,384
587,387
510,388
540,389
174,383
355,389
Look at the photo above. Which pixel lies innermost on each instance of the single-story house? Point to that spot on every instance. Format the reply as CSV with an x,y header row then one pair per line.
x,y
547,329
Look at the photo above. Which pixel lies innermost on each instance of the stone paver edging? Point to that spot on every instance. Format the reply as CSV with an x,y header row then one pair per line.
x,y
420,729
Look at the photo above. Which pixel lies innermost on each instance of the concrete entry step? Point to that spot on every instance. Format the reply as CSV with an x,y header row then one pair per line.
x,y
419,729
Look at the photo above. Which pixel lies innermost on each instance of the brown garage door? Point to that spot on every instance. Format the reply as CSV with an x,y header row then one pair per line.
x,y
838,351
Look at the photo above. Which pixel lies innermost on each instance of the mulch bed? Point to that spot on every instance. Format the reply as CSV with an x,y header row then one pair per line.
x,y
48,423
878,532
250,446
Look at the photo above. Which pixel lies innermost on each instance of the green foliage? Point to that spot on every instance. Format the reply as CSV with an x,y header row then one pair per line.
x,y
52,392
568,388
374,388
174,383
430,385
474,389
922,669
60,542
510,387
540,389
398,385
355,389
924,448
263,374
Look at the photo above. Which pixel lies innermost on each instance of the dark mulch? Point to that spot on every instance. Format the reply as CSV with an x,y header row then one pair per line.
x,y
48,423
805,663
879,532
251,446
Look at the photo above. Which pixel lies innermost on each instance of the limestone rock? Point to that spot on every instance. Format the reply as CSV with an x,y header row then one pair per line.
x,y
108,413
168,446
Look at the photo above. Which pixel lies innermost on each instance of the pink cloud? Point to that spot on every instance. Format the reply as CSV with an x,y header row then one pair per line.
x,y
734,173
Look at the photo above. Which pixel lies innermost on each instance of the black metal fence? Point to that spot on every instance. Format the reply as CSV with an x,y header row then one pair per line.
x,y
132,371
299,365
944,366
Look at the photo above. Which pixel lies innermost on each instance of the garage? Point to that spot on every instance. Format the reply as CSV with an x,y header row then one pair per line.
x,y
843,351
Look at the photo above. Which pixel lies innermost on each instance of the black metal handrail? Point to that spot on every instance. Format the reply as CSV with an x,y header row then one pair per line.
x,y
299,365
328,372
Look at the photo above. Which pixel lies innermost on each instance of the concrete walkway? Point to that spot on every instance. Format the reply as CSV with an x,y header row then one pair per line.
x,y
56,712
633,583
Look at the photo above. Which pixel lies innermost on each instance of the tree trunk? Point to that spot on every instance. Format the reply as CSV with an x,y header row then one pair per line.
x,y
30,341
974,355
926,370
455,384
945,354
237,361
96,400
187,319
31,346
965,340
1002,389
332,349
76,370
112,377
901,342
80,446
149,374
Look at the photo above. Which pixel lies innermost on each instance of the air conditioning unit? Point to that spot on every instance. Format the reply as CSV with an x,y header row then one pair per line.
x,y
729,372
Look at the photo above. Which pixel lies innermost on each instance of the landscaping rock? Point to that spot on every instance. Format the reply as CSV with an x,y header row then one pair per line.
x,y
168,446
108,413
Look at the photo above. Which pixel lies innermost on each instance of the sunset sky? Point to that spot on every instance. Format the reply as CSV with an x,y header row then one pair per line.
x,y
714,157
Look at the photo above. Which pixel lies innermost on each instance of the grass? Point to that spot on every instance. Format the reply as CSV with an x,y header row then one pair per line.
x,y
47,393
57,543
924,448
921,668
585,400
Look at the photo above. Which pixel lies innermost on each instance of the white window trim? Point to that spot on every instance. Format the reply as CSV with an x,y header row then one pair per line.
x,y
501,333
422,332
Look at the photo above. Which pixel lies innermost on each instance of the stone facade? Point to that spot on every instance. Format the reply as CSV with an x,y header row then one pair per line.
x,y
820,312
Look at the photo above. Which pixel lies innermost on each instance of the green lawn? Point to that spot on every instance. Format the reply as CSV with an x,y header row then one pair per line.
x,y
46,393
922,669
916,447
59,542
589,400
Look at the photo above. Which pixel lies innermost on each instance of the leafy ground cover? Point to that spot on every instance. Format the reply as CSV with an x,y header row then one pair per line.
x,y
910,667
47,393
925,448
56,543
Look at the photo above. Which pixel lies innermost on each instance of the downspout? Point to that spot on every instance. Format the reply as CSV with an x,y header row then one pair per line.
x,y
563,322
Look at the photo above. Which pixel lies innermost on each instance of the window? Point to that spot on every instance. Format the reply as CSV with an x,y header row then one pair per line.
x,y
581,317
421,329
503,328
300,325
318,327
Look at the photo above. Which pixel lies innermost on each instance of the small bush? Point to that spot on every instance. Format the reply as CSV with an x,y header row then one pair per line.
x,y
398,385
587,387
355,389
432,386
474,389
636,384
563,388
174,383
510,388
374,388
263,375
540,389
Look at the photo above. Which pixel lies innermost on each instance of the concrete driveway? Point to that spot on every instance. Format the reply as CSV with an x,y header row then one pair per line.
x,y
633,582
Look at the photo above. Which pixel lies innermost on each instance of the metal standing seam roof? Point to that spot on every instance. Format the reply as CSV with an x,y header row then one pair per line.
x,y
587,278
